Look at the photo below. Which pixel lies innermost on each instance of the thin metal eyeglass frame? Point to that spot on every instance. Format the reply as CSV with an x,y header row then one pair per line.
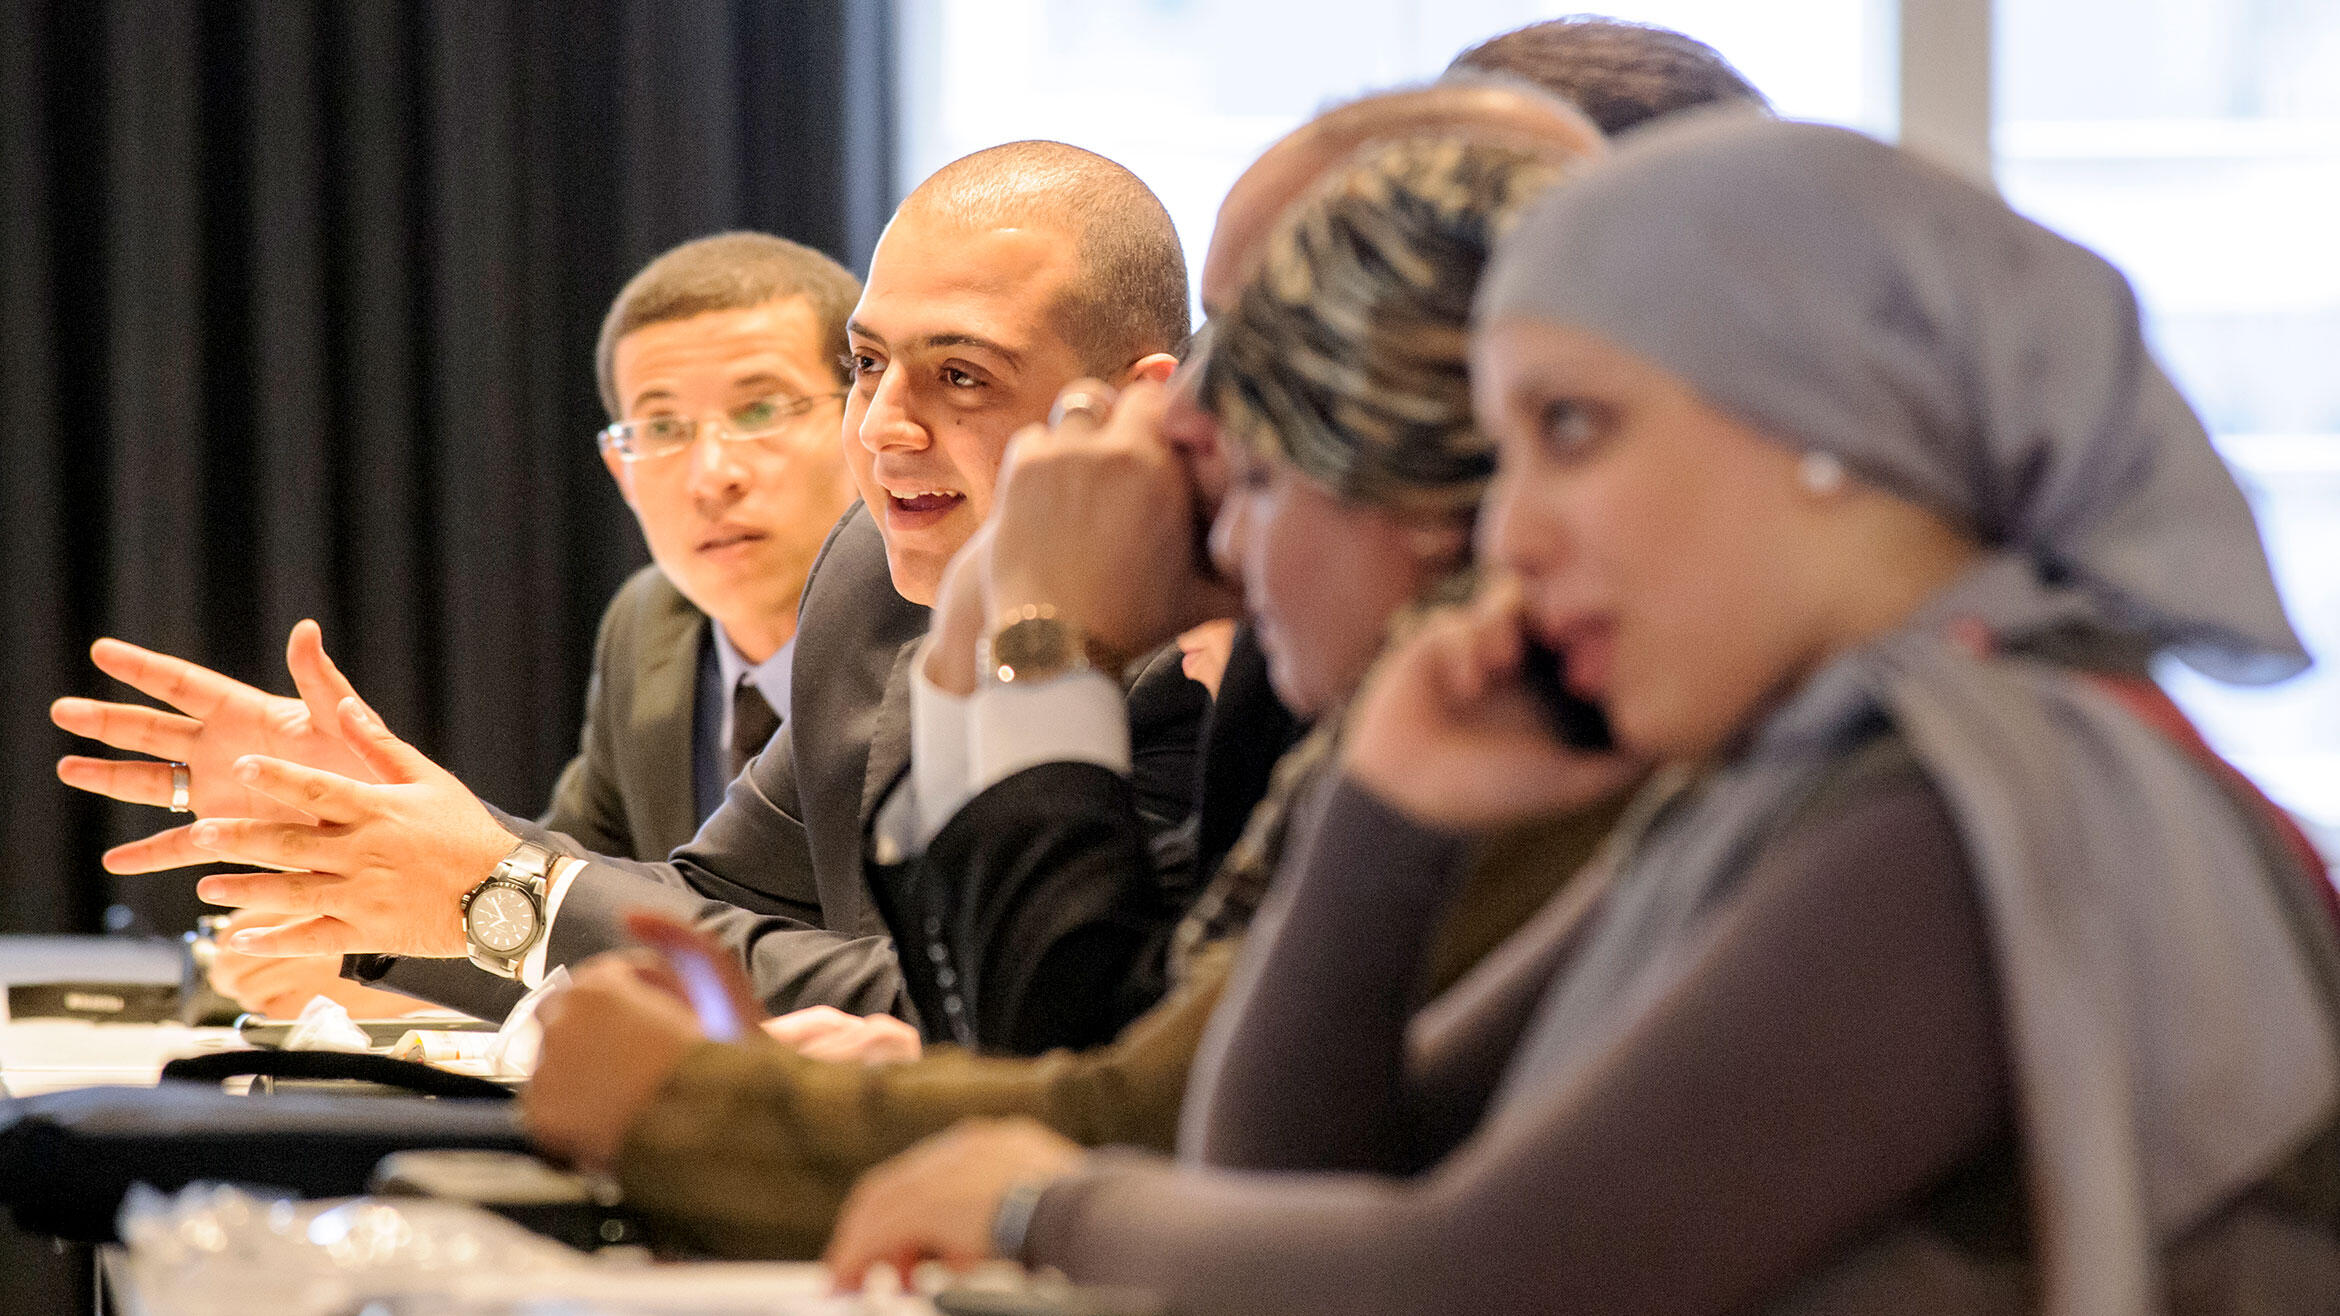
x,y
612,438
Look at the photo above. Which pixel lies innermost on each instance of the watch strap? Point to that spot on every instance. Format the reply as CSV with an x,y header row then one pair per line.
x,y
1011,1225
529,868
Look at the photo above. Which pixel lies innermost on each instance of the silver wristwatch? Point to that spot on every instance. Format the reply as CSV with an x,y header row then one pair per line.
x,y
1032,644
503,917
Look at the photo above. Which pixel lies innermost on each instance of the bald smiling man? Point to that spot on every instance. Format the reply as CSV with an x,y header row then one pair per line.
x,y
1056,834
750,1151
1001,279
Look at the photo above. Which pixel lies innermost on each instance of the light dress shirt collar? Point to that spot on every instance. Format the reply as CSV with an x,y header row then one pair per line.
x,y
771,675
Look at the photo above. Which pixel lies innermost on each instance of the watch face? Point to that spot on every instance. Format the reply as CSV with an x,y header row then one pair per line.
x,y
1034,649
501,918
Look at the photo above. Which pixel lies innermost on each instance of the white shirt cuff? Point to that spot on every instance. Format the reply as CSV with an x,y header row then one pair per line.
x,y
939,770
1079,717
564,870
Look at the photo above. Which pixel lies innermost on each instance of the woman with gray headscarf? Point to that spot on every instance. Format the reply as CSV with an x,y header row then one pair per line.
x,y
1940,967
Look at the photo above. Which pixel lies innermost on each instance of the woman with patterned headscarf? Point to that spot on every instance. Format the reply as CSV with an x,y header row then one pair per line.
x,y
1940,967
1357,468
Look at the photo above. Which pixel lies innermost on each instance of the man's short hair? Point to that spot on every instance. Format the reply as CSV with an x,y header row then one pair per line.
x,y
726,272
1130,299
1620,74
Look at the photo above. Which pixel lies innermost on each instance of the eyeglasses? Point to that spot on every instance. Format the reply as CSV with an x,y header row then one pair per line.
x,y
664,436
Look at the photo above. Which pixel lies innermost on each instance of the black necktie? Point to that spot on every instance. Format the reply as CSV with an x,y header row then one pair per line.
x,y
752,723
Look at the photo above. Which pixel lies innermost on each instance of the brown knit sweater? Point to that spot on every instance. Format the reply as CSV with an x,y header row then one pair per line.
x,y
750,1149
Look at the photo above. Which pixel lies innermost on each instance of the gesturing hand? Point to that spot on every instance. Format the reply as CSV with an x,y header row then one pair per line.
x,y
1124,568
938,1199
1445,731
382,869
282,986
219,721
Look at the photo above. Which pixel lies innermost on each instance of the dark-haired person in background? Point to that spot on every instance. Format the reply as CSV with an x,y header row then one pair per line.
x,y
1001,279
1620,74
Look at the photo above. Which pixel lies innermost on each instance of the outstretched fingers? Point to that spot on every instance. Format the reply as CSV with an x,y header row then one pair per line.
x,y
137,781
385,755
132,728
288,846
325,796
321,935
315,675
195,691
270,893
171,848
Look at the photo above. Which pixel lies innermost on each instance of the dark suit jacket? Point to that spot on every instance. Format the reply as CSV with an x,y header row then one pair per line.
x,y
629,790
776,873
1040,915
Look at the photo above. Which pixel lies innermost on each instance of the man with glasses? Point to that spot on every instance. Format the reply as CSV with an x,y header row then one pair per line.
x,y
720,364
1001,280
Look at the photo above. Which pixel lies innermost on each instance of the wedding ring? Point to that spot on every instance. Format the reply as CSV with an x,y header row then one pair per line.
x,y
1080,402
179,786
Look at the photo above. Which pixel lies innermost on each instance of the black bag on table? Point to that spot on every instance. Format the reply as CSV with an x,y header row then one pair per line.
x,y
68,1158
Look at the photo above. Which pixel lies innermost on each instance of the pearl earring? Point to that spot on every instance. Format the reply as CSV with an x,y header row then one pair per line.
x,y
1821,474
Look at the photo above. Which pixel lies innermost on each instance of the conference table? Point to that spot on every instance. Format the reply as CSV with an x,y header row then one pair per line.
x,y
50,1055
47,1055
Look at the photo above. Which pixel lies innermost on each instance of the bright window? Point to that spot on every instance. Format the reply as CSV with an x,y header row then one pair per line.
x,y
1186,92
2196,143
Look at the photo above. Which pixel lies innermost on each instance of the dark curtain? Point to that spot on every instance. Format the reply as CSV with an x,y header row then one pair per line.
x,y
297,310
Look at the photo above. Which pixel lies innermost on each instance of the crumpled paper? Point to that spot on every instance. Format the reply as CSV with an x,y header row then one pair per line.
x,y
325,1026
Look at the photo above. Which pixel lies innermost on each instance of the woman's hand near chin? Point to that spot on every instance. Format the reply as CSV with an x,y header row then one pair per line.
x,y
1446,731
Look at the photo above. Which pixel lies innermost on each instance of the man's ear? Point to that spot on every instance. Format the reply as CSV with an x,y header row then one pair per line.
x,y
1156,367
618,471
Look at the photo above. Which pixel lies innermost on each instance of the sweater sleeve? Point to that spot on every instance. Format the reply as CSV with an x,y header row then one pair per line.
x,y
1330,975
1831,1053
1477,926
749,1150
